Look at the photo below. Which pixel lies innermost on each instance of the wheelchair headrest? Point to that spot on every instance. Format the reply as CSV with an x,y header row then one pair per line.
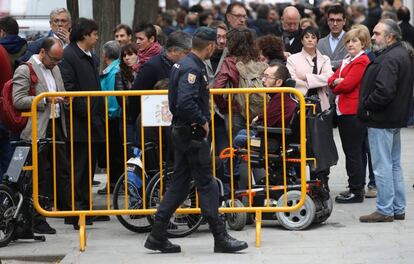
x,y
289,82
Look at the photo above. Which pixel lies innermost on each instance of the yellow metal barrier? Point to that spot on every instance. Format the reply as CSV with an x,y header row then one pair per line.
x,y
82,214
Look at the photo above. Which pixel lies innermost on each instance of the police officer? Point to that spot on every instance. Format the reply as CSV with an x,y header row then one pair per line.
x,y
188,97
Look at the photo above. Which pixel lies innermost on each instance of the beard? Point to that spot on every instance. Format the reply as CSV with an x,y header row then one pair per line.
x,y
378,46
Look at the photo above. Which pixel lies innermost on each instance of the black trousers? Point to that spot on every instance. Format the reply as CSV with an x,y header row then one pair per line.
x,y
45,161
192,160
116,151
353,134
81,168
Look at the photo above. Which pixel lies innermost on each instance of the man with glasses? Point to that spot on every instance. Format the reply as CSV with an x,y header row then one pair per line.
x,y
213,66
60,23
333,45
49,77
236,15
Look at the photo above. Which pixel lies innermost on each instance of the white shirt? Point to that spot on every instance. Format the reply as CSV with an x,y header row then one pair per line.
x,y
50,82
87,52
333,42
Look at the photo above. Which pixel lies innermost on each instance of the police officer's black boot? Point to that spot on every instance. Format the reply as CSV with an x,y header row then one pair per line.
x,y
157,239
223,242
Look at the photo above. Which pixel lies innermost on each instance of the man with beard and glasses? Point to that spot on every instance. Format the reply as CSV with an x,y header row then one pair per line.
x,y
384,104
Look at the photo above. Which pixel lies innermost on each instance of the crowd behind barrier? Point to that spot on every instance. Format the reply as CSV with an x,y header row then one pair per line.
x,y
344,59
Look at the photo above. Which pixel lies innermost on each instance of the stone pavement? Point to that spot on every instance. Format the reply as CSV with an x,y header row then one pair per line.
x,y
342,239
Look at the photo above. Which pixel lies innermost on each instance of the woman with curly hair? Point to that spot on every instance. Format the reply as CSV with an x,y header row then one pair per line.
x,y
271,49
242,54
124,80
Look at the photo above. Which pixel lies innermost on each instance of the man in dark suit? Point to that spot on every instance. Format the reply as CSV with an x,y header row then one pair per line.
x,y
407,30
291,32
79,70
403,14
374,14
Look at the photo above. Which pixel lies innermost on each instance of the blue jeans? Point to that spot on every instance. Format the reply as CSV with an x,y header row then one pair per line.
x,y
385,146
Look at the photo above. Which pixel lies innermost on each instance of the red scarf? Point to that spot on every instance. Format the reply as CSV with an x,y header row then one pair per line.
x,y
143,56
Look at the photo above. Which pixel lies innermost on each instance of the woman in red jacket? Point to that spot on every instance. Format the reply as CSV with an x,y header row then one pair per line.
x,y
345,83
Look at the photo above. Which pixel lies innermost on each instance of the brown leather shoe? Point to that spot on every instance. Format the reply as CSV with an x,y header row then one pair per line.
x,y
376,217
399,216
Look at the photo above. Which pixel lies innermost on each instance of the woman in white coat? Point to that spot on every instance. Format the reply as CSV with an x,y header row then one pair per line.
x,y
311,69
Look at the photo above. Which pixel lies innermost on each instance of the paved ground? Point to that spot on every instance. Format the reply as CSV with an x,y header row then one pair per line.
x,y
342,239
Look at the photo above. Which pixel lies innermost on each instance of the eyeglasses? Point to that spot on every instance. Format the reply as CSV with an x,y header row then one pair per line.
x,y
267,77
333,21
57,21
240,16
53,59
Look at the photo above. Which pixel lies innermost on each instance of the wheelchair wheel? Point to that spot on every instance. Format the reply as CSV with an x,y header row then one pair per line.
x,y
236,221
299,219
325,206
180,225
8,206
135,223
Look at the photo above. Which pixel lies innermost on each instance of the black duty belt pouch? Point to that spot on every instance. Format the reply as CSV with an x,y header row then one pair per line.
x,y
200,146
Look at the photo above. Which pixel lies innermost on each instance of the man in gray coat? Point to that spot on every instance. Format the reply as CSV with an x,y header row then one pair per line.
x,y
333,45
49,80
213,66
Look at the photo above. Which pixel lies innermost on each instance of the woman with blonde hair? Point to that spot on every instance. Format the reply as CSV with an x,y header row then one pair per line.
x,y
345,84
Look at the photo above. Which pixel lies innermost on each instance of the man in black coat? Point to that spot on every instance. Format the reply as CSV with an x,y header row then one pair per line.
x,y
79,70
384,101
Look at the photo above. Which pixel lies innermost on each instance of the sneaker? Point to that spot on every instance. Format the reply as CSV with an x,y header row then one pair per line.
x,y
376,217
371,192
44,228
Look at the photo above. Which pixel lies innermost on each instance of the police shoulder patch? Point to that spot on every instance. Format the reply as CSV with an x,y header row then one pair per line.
x,y
191,78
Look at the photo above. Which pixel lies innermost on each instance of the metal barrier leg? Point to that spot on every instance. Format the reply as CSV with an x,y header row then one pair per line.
x,y
258,228
82,232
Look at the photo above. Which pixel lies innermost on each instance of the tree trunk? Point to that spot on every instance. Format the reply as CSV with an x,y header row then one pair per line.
x,y
171,4
107,13
73,7
145,11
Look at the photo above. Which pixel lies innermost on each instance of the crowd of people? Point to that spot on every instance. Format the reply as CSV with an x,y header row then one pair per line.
x,y
354,59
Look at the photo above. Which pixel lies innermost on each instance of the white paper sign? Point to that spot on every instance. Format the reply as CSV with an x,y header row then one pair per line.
x,y
155,111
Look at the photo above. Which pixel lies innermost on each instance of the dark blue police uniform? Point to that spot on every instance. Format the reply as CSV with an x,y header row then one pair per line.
x,y
189,103
188,97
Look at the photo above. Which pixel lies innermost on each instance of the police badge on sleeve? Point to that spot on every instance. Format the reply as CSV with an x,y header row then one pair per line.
x,y
191,78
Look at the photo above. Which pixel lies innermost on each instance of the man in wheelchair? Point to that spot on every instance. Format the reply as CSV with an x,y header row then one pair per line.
x,y
318,205
276,75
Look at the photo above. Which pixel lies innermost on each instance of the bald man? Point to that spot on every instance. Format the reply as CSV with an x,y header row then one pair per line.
x,y
44,65
290,30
